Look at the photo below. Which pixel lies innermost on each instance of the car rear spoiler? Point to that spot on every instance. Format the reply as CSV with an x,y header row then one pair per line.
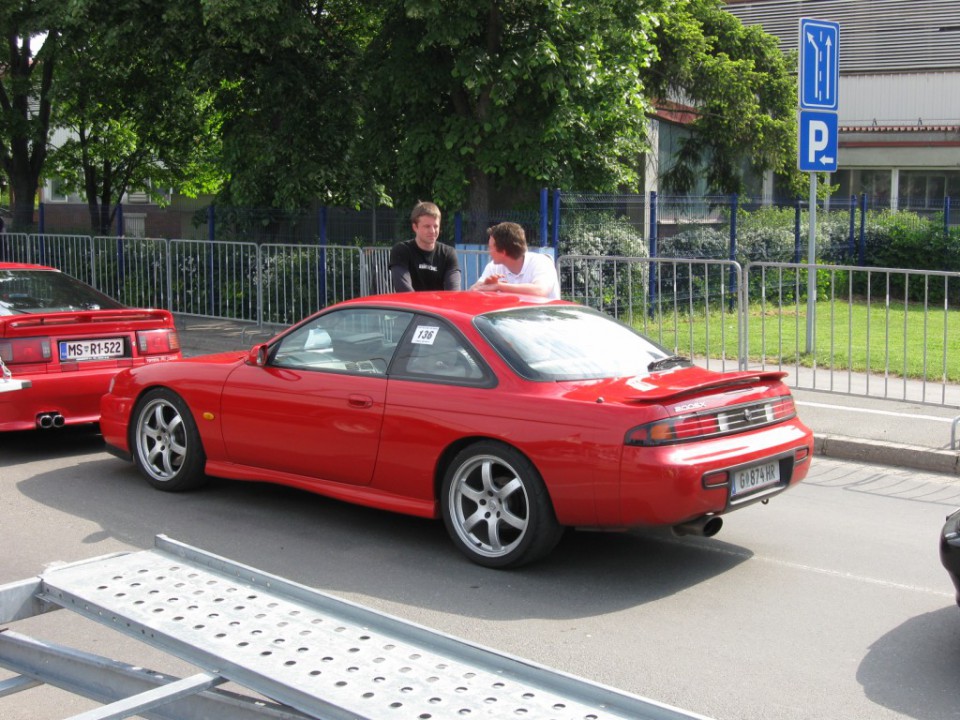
x,y
661,392
11,325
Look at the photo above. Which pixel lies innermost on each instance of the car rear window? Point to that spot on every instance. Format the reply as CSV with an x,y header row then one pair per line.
x,y
552,343
42,291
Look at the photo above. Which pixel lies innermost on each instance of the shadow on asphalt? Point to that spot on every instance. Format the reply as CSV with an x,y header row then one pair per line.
x,y
342,548
35,445
913,668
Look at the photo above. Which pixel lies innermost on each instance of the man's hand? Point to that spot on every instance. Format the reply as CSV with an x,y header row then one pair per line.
x,y
488,284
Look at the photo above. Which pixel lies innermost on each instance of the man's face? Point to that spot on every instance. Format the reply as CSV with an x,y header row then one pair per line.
x,y
426,230
496,255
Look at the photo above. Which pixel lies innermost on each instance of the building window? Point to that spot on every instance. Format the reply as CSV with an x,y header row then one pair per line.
x,y
875,184
926,189
134,225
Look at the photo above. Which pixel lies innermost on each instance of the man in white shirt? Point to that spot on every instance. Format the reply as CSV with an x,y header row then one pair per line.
x,y
513,269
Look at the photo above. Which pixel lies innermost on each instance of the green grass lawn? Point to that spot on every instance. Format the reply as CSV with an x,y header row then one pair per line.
x,y
873,339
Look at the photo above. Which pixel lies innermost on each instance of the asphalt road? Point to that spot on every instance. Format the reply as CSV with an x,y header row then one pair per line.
x,y
827,603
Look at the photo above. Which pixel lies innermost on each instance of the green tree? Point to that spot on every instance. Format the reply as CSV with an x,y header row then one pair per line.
x,y
742,90
281,75
465,97
125,100
26,81
470,96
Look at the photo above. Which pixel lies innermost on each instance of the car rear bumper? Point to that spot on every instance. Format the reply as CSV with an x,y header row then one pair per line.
x,y
950,550
673,484
73,396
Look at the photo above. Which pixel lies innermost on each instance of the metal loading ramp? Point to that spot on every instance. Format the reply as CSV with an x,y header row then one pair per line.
x,y
324,657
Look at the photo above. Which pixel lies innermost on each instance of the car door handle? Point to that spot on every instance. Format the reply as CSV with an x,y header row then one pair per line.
x,y
360,401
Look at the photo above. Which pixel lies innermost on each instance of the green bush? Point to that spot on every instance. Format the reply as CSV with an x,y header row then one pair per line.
x,y
606,285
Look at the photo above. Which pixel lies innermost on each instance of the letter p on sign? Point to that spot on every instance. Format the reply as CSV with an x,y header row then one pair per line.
x,y
819,138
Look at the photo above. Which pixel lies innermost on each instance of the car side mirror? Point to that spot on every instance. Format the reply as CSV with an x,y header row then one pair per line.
x,y
258,355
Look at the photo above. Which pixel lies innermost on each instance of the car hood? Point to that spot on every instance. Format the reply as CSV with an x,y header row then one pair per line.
x,y
674,385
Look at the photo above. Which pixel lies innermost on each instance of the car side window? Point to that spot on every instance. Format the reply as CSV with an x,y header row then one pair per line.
x,y
432,350
351,340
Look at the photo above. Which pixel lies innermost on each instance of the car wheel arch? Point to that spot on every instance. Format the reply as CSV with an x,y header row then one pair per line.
x,y
497,522
450,452
183,454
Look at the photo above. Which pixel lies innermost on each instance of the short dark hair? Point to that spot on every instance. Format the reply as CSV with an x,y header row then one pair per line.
x,y
509,238
424,208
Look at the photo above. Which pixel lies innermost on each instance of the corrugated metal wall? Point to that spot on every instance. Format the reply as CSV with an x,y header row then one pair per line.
x,y
876,36
925,99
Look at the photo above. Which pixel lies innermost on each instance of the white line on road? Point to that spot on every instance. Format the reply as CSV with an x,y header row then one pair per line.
x,y
874,412
815,569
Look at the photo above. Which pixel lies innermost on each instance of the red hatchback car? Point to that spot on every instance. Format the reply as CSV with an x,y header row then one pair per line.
x,y
511,418
60,343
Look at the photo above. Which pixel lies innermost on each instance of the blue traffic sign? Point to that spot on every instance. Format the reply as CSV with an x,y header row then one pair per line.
x,y
819,64
818,141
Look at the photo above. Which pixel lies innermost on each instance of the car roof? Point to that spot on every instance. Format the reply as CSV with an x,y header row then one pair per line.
x,y
465,304
25,266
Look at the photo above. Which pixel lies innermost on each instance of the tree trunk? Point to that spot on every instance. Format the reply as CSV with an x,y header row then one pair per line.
x,y
478,208
24,192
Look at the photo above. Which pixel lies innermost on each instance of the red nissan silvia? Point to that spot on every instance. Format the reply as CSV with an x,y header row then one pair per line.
x,y
511,418
60,343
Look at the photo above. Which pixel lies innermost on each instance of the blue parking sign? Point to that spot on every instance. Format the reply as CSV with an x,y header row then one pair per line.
x,y
819,64
818,141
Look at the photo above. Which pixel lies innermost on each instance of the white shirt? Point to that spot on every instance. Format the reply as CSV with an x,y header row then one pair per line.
x,y
537,269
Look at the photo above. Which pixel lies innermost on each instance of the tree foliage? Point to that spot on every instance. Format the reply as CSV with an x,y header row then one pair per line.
x,y
126,104
741,88
282,77
26,82
469,96
282,103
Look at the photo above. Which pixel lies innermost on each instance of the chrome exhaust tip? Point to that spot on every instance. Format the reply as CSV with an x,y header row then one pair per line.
x,y
706,526
48,420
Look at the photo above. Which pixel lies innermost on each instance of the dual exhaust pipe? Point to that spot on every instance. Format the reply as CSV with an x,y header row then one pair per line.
x,y
45,421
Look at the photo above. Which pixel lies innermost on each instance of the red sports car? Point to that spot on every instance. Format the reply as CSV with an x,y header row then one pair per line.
x,y
60,343
509,417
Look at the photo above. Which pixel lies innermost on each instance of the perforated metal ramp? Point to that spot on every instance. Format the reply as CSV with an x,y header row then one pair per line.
x,y
325,657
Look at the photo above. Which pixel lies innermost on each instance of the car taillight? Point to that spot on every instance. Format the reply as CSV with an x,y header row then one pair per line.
x,y
26,350
723,421
157,342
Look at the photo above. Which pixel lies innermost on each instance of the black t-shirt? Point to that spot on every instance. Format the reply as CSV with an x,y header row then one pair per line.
x,y
435,270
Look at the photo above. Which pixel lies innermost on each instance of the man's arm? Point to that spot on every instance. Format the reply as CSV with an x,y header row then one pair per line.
x,y
451,281
400,268
519,288
400,276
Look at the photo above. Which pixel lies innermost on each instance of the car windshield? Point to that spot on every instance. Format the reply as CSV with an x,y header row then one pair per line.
x,y
43,291
554,343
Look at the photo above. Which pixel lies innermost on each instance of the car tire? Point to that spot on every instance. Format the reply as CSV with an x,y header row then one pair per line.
x,y
166,444
496,507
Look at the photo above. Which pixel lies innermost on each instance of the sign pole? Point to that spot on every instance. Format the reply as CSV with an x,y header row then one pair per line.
x,y
818,128
811,265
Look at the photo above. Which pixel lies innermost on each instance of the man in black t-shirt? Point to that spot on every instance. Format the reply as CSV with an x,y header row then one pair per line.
x,y
423,263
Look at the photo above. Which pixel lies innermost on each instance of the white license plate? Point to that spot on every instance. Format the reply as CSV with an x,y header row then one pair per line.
x,y
749,479
102,349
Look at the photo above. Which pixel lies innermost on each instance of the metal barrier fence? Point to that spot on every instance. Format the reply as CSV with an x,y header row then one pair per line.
x,y
692,307
881,332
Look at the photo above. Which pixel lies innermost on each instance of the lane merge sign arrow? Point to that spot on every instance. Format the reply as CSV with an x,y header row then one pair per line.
x,y
819,44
